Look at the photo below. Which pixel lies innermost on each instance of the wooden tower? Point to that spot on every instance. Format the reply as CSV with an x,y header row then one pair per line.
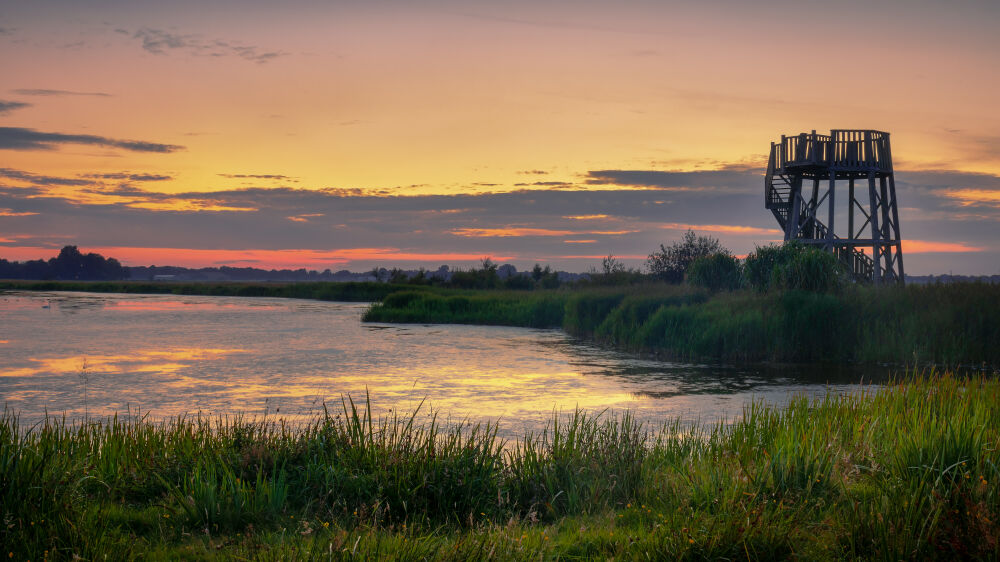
x,y
800,189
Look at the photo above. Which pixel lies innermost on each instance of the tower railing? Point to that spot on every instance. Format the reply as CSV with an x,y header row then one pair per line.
x,y
844,150
801,178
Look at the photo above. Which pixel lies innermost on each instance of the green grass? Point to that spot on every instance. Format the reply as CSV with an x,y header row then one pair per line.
x,y
950,325
905,471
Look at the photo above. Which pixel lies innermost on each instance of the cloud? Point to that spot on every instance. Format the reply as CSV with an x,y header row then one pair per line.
x,y
46,92
19,138
9,106
520,231
130,177
40,180
570,230
973,197
160,42
731,180
728,228
259,177
927,247
13,213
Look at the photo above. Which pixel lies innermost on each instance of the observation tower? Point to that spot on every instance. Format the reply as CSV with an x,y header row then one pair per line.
x,y
800,188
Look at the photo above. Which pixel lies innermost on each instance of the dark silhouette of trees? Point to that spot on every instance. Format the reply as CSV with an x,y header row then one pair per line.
x,y
70,264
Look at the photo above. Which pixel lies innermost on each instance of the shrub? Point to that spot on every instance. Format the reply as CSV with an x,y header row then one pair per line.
x,y
793,266
809,269
717,272
670,264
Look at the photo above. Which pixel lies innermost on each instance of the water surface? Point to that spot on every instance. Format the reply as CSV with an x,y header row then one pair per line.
x,y
166,355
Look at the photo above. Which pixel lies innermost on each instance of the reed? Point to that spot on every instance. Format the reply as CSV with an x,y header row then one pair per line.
x,y
903,471
946,325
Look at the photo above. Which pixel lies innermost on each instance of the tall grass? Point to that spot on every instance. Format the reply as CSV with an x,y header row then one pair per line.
x,y
951,325
905,471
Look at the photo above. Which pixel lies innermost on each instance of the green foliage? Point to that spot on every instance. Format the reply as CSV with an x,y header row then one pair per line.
x,y
944,324
810,269
541,309
716,272
794,266
904,471
671,264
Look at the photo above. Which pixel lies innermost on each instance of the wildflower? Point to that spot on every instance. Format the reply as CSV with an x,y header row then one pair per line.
x,y
327,524
690,541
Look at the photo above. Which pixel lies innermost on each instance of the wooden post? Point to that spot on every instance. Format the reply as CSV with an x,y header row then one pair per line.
x,y
876,233
895,226
830,208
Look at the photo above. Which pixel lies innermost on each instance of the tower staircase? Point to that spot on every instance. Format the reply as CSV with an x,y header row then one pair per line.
x,y
849,155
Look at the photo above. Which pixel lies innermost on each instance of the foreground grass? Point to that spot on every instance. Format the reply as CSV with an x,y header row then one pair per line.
x,y
907,471
954,324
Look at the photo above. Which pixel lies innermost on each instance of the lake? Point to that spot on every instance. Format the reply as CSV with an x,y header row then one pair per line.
x,y
78,354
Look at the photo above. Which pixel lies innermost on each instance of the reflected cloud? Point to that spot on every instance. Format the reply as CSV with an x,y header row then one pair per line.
x,y
150,361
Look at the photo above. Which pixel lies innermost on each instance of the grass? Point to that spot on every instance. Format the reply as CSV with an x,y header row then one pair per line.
x,y
904,471
950,325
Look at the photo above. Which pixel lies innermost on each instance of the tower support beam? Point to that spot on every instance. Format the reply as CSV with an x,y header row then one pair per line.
x,y
843,155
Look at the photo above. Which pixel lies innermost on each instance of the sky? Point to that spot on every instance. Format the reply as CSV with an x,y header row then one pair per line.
x,y
349,135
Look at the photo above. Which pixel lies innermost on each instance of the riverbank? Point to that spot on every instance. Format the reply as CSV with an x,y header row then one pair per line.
x,y
954,325
325,291
904,471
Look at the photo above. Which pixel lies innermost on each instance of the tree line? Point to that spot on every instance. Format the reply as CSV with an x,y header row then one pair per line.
x,y
70,264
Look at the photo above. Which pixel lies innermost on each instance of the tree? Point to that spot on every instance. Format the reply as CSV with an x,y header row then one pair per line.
x,y
612,265
670,264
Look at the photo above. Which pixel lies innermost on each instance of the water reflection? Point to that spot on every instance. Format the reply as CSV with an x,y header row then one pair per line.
x,y
171,355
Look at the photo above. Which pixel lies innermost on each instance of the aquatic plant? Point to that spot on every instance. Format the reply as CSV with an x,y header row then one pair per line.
x,y
907,470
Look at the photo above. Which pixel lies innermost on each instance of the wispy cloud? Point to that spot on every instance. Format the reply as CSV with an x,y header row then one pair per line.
x,y
510,232
13,213
928,247
41,180
727,228
972,197
9,106
129,176
729,180
160,42
47,92
19,138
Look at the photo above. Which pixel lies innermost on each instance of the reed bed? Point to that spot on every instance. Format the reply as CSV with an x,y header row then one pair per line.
x,y
946,325
903,471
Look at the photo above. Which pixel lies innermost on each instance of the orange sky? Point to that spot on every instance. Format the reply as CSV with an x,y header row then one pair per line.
x,y
457,98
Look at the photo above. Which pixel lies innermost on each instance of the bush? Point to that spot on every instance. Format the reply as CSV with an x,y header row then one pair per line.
x,y
717,272
810,269
670,264
793,266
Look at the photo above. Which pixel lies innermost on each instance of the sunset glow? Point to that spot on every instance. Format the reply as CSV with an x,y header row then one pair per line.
x,y
308,133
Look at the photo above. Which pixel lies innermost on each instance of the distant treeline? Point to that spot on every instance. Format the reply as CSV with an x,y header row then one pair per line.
x,y
326,291
70,264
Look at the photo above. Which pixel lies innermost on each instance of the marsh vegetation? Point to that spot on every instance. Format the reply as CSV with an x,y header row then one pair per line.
x,y
903,471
